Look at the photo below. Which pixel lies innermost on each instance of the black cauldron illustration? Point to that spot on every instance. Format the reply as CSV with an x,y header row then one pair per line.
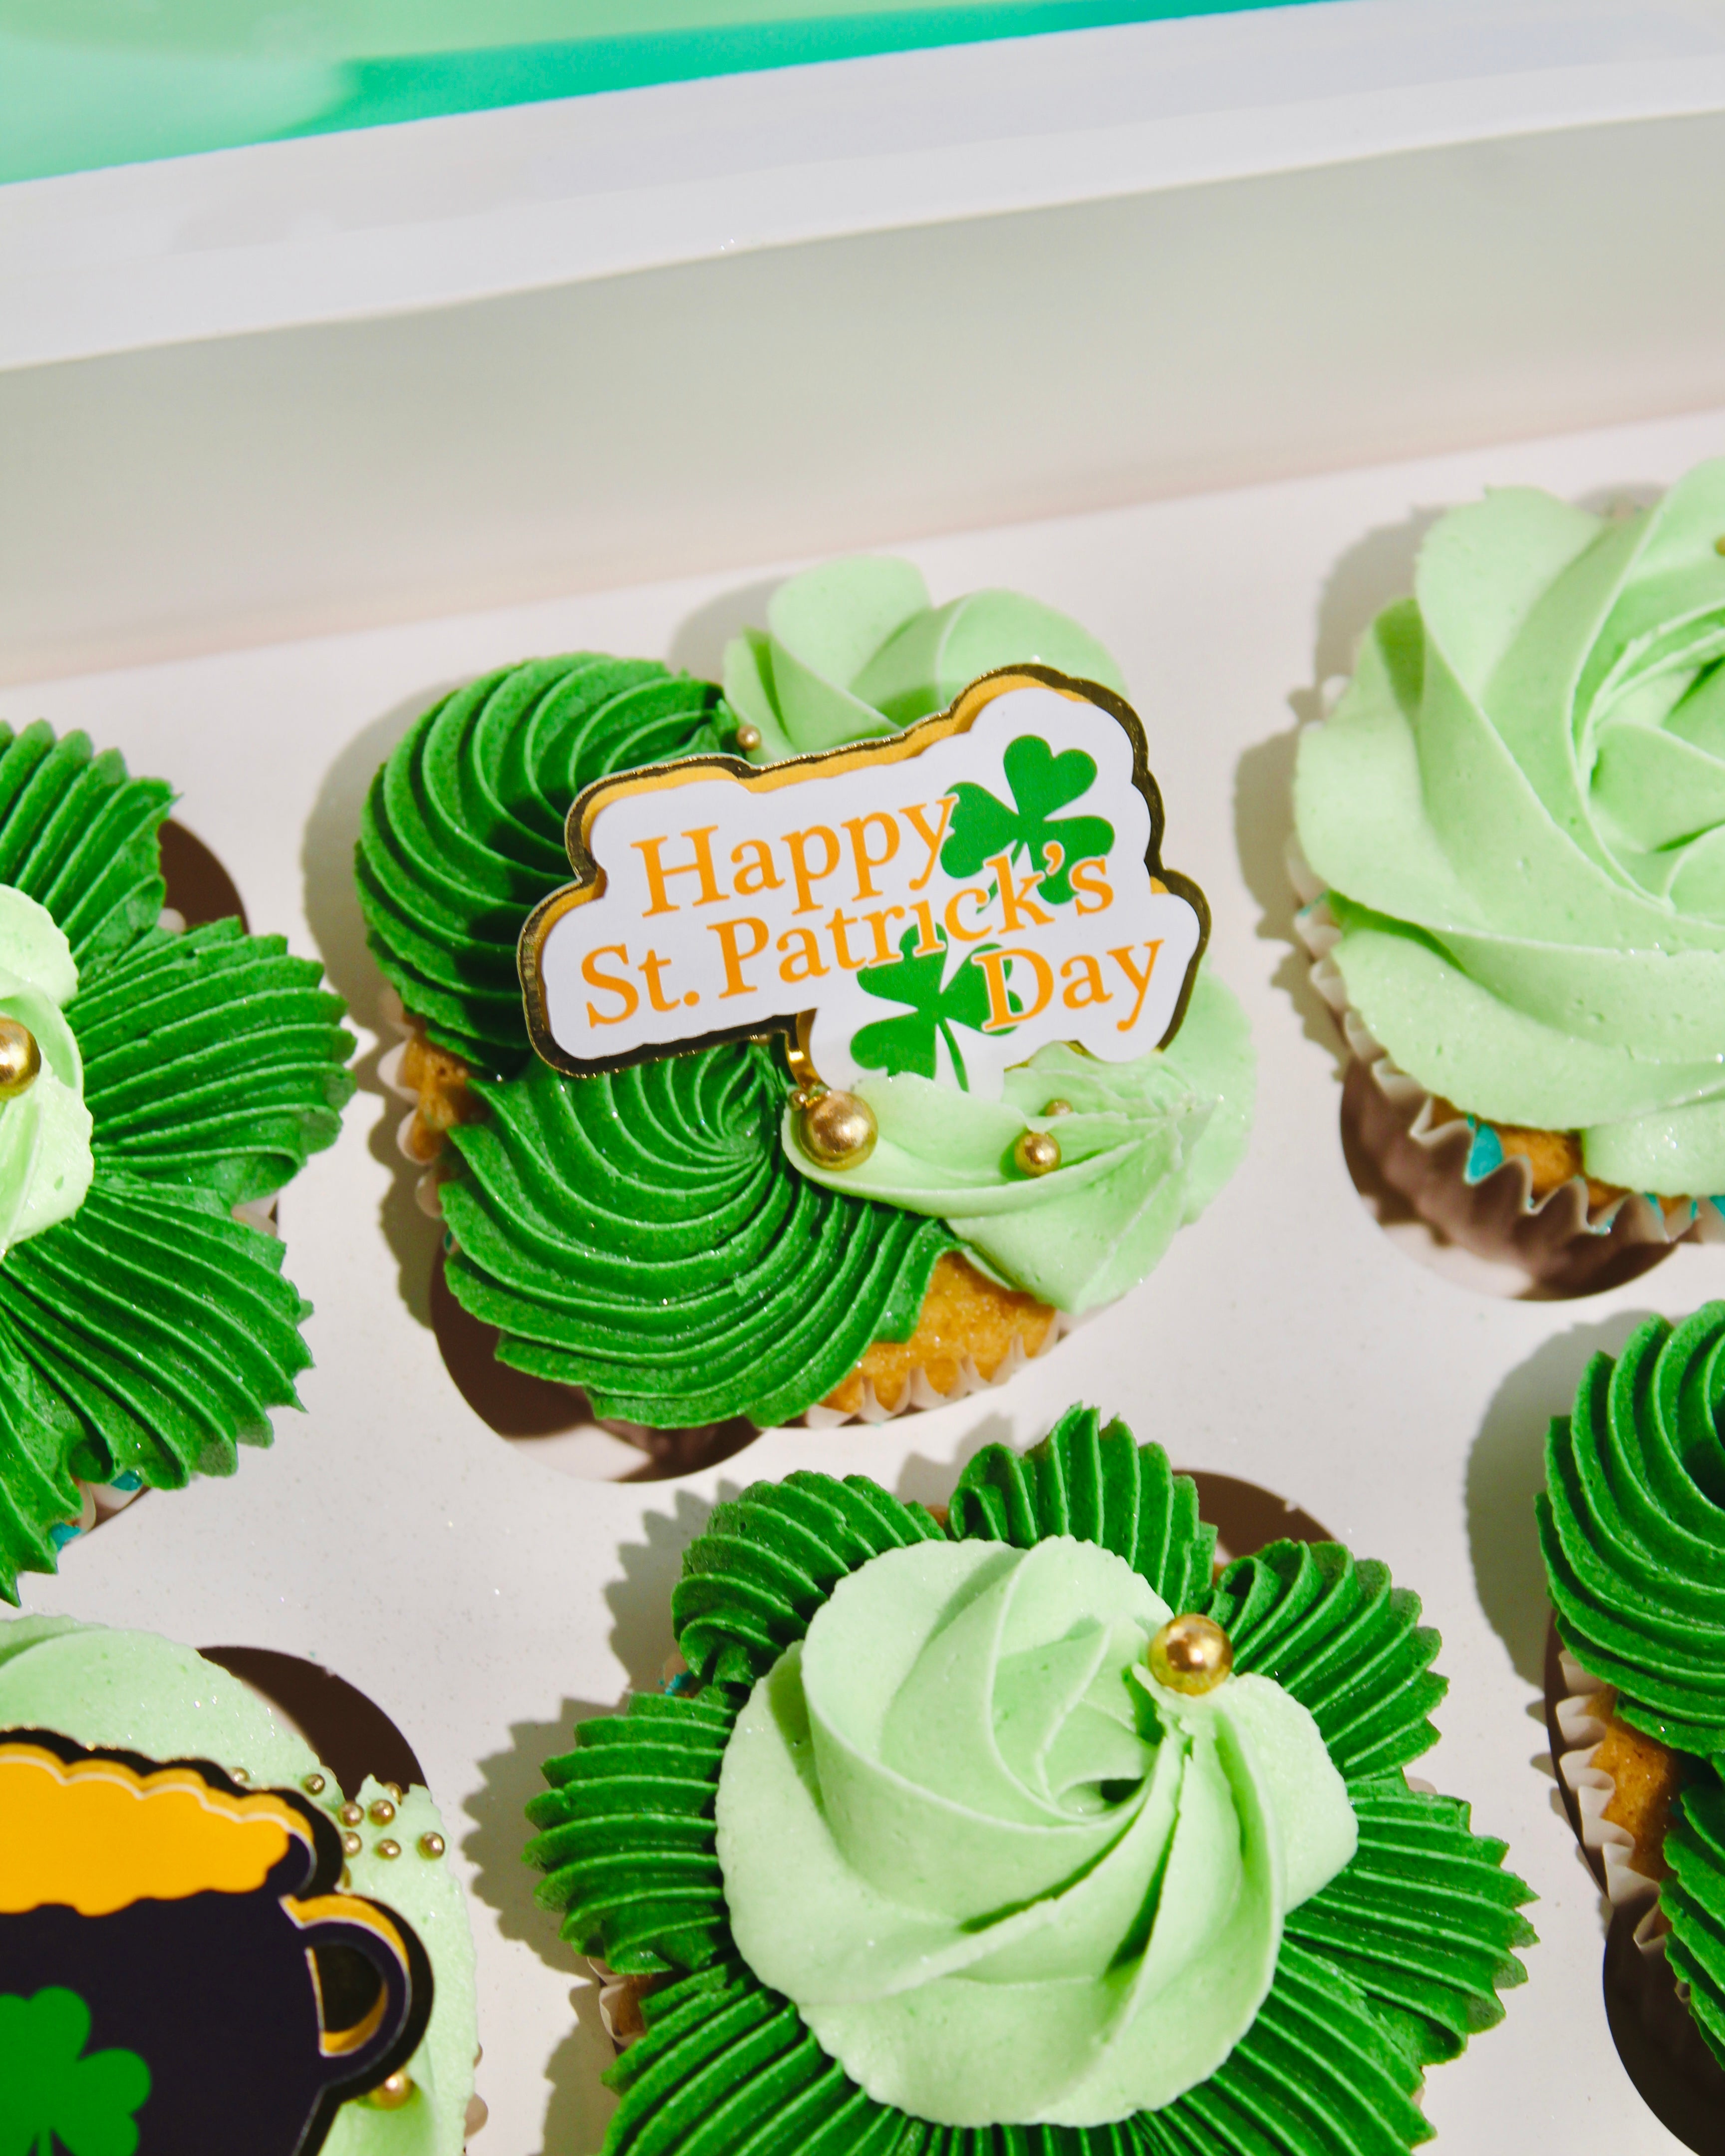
x,y
201,1927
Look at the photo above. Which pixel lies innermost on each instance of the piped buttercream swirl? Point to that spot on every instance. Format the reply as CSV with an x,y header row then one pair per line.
x,y
1002,1874
1632,1522
1144,1147
854,648
462,833
639,1234
1519,808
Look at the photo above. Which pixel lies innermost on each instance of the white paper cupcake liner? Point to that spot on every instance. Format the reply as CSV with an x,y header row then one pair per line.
x,y
1669,2061
920,1390
1430,1157
1581,1711
434,1168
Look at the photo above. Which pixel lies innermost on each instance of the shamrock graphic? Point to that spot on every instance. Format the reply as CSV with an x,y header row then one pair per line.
x,y
907,1042
1041,784
51,2098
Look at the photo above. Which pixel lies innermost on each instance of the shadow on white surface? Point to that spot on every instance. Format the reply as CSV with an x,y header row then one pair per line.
x,y
1506,1472
639,1602
699,644
338,929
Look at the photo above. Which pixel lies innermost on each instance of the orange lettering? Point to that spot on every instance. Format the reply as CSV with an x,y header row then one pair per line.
x,y
951,916
807,877
757,875
1019,910
726,933
858,827
885,955
1089,976
612,983
1141,982
994,963
932,839
799,945
658,875
1094,886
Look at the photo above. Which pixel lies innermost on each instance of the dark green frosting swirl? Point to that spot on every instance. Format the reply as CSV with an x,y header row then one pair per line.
x,y
151,1333
239,1037
640,1234
463,832
77,835
1693,1899
1392,1967
1633,1527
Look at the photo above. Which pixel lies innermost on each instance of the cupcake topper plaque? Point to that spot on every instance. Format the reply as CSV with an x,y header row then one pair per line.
x,y
179,1970
943,901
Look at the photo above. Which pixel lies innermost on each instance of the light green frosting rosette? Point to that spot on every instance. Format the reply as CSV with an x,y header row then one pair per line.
x,y
1519,808
853,649
1145,1148
1029,1883
135,1691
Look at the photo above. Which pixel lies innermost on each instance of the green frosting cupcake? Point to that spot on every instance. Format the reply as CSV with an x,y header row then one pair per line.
x,y
144,1331
1632,1522
921,1857
658,1237
1518,808
135,1692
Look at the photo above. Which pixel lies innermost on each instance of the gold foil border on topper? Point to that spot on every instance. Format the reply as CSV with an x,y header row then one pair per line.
x,y
794,1028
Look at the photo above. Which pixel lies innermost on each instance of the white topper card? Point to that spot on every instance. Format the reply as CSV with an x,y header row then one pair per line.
x,y
942,902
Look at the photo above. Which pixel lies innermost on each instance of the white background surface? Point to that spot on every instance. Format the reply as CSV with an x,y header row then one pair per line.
x,y
486,1600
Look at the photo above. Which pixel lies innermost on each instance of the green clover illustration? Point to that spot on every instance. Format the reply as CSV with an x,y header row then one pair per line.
x,y
1041,784
907,1042
51,2096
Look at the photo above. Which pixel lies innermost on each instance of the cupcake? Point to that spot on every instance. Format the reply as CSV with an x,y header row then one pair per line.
x,y
1511,828
136,1693
1632,1524
157,1084
1018,1830
657,1236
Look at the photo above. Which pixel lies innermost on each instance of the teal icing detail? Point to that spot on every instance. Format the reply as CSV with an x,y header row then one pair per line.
x,y
1485,1156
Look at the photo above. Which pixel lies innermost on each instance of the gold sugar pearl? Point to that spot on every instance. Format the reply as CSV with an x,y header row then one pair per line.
x,y
1037,1152
839,1130
20,1059
1057,1108
748,738
394,1792
314,1785
1190,1653
393,2094
432,1844
382,1811
351,1815
240,1774
1719,544
350,1844
388,1850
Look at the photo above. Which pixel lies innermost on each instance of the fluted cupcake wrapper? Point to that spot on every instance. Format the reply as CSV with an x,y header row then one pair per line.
x,y
1450,1168
1582,1711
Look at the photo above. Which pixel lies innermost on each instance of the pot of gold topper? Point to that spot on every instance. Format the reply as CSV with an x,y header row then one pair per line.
x,y
180,1968
995,870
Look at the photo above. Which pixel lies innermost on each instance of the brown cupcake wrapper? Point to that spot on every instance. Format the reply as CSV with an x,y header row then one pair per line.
x,y
1422,1148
